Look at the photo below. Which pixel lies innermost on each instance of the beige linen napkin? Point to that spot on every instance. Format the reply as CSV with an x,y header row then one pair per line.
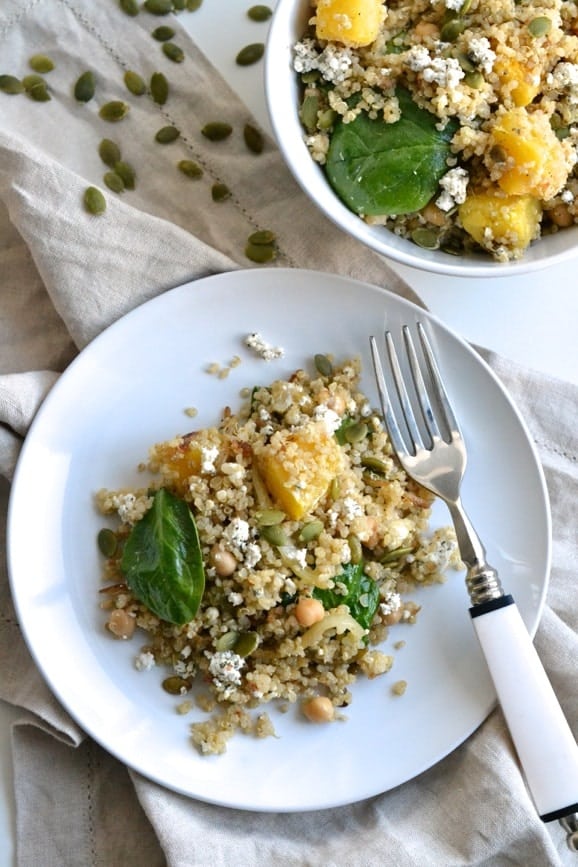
x,y
64,276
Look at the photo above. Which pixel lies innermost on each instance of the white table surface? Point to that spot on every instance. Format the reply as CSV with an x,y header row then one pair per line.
x,y
530,319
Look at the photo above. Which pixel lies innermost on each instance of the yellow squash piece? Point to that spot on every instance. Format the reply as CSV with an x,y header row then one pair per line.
x,y
496,220
536,161
298,466
178,459
354,23
517,83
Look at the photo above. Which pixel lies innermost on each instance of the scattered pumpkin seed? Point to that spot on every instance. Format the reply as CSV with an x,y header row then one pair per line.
x,y
41,63
323,364
179,5
253,138
326,119
167,134
114,111
159,88
334,488
395,554
269,517
356,432
220,192
158,7
176,685
134,82
355,548
308,111
246,643
163,33
311,531
11,84
39,92
275,535
190,169
250,54
426,237
107,542
94,201
30,80
217,130
452,29
474,79
226,641
193,5
84,87
260,253
126,172
540,26
114,182
129,7
173,52
109,152
376,465
259,12
263,236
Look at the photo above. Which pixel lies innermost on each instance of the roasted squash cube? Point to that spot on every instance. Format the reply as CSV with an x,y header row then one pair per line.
x,y
298,467
496,220
518,84
352,22
180,458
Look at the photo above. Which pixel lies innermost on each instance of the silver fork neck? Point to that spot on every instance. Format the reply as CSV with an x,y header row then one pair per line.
x,y
482,581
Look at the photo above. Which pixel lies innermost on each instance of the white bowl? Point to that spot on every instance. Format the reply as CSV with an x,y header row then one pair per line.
x,y
282,94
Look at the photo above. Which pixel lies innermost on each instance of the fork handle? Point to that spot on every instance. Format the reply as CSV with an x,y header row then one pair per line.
x,y
546,747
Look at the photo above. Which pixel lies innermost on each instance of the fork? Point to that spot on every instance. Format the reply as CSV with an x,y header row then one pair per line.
x,y
431,449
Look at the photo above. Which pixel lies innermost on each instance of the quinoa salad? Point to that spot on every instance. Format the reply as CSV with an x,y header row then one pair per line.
x,y
265,559
451,122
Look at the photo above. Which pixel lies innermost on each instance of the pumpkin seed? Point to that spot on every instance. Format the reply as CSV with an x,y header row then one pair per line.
x,y
109,152
250,54
263,236
376,465
334,488
129,7
253,138
259,12
159,88
226,641
190,169
114,111
11,84
355,549
179,5
158,7
308,111
220,192
94,201
260,253
269,517
114,182
246,643
193,5
135,83
107,542
474,79
326,119
84,87
173,52
217,130
127,173
176,685
39,92
41,63
30,80
311,531
426,238
167,134
275,535
540,26
163,33
465,62
356,432
395,554
452,29
323,364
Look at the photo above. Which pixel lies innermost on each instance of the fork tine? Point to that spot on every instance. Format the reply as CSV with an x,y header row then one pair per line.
x,y
402,394
445,405
391,424
426,408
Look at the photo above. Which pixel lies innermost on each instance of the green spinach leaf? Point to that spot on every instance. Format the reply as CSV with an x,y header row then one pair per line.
x,y
389,168
162,560
361,597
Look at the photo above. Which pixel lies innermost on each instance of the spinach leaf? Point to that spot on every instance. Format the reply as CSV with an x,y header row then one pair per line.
x,y
362,594
389,168
162,560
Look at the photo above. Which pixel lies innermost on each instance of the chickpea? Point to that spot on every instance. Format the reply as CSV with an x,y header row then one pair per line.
x,y
561,216
121,624
309,611
423,29
318,709
223,561
393,617
433,214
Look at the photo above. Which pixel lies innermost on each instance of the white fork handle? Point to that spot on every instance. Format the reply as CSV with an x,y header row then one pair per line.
x,y
546,747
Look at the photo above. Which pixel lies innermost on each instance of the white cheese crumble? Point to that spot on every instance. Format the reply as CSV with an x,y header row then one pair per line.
x,y
329,417
351,509
480,52
263,349
237,532
454,185
334,62
208,457
564,76
390,604
144,661
225,668
252,554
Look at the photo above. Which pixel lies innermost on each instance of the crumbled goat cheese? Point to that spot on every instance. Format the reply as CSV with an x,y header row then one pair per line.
x,y
480,52
454,185
144,661
235,598
264,350
351,509
328,416
208,458
334,62
131,508
418,58
564,77
445,71
252,554
454,5
305,56
225,667
237,532
567,196
391,603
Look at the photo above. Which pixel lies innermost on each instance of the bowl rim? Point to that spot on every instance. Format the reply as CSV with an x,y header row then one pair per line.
x,y
287,24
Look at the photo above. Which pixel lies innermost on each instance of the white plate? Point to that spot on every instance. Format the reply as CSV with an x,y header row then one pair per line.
x,y
129,389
